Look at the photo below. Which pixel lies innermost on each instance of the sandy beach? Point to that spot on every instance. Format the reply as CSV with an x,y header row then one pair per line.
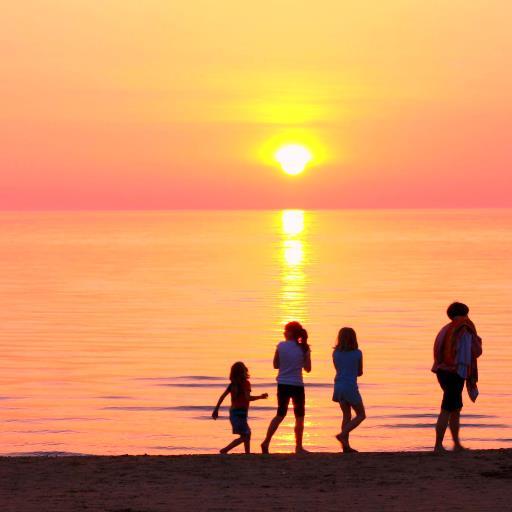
x,y
473,480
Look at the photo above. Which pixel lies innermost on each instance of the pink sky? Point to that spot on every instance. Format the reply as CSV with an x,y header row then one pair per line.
x,y
122,104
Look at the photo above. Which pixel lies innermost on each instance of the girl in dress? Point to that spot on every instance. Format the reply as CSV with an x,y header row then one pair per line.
x,y
348,361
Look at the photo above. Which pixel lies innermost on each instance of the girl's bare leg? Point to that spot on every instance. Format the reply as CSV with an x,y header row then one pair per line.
x,y
351,425
299,432
247,443
274,424
347,416
232,445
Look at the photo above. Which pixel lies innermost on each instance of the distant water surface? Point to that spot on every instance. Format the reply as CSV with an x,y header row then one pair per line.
x,y
118,329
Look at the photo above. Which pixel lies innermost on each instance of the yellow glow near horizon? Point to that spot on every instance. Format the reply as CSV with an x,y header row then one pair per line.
x,y
293,158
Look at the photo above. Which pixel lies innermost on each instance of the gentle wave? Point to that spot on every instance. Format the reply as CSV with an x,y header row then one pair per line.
x,y
253,384
116,397
39,420
44,431
46,454
432,425
182,377
431,415
178,408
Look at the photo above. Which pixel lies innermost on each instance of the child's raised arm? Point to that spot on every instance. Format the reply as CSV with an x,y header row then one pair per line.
x,y
215,413
258,397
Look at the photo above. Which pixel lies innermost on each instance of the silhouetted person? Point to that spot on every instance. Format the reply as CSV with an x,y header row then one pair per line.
x,y
291,356
240,391
456,349
348,361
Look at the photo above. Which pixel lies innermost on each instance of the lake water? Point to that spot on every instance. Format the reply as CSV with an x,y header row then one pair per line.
x,y
118,329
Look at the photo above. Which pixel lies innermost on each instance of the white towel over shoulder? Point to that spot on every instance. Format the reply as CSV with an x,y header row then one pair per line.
x,y
463,357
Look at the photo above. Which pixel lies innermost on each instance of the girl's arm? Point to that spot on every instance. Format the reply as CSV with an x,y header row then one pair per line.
x,y
276,360
360,371
307,361
215,413
258,397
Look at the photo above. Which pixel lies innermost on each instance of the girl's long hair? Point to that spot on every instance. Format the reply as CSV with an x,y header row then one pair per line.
x,y
347,340
298,333
238,375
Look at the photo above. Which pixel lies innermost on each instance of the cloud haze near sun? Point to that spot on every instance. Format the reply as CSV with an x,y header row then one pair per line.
x,y
123,104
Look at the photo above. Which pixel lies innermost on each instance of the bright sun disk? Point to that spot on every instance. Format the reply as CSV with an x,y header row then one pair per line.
x,y
293,158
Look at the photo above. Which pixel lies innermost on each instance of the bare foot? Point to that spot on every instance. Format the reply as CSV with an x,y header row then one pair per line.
x,y
343,439
264,448
344,444
223,451
459,448
301,451
439,449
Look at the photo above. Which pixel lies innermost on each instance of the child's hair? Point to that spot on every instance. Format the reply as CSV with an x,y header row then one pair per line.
x,y
298,333
238,375
347,340
457,309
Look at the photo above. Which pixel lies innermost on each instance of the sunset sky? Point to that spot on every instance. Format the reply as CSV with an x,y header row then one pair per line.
x,y
121,104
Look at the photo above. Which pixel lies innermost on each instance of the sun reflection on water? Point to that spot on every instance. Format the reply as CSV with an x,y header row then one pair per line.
x,y
293,252
293,261
292,222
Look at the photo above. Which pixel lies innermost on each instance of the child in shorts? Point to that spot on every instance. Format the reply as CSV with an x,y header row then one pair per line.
x,y
240,390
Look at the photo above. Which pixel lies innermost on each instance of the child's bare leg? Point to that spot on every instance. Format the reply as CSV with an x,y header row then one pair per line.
x,y
454,429
347,416
351,425
247,442
274,424
232,445
441,425
299,433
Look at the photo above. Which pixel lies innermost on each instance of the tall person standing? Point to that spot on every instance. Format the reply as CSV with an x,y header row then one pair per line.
x,y
291,357
456,350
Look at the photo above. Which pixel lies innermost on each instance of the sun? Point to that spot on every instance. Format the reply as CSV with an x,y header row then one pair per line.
x,y
293,158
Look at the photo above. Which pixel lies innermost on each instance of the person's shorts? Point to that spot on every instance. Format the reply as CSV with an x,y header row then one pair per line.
x,y
452,385
238,419
347,394
296,393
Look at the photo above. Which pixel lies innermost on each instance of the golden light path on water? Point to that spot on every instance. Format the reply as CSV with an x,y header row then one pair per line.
x,y
293,272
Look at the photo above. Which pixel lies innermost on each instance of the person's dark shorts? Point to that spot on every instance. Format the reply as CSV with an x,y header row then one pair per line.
x,y
238,419
296,393
452,384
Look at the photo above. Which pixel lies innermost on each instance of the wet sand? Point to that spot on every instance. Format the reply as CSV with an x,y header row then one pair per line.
x,y
420,481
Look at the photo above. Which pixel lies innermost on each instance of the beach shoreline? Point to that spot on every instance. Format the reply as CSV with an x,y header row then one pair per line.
x,y
398,481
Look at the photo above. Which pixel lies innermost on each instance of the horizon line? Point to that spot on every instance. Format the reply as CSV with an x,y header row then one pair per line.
x,y
227,209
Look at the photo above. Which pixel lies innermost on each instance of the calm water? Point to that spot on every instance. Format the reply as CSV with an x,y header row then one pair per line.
x,y
118,329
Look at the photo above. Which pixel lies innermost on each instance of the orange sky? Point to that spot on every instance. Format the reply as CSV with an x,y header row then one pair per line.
x,y
121,104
